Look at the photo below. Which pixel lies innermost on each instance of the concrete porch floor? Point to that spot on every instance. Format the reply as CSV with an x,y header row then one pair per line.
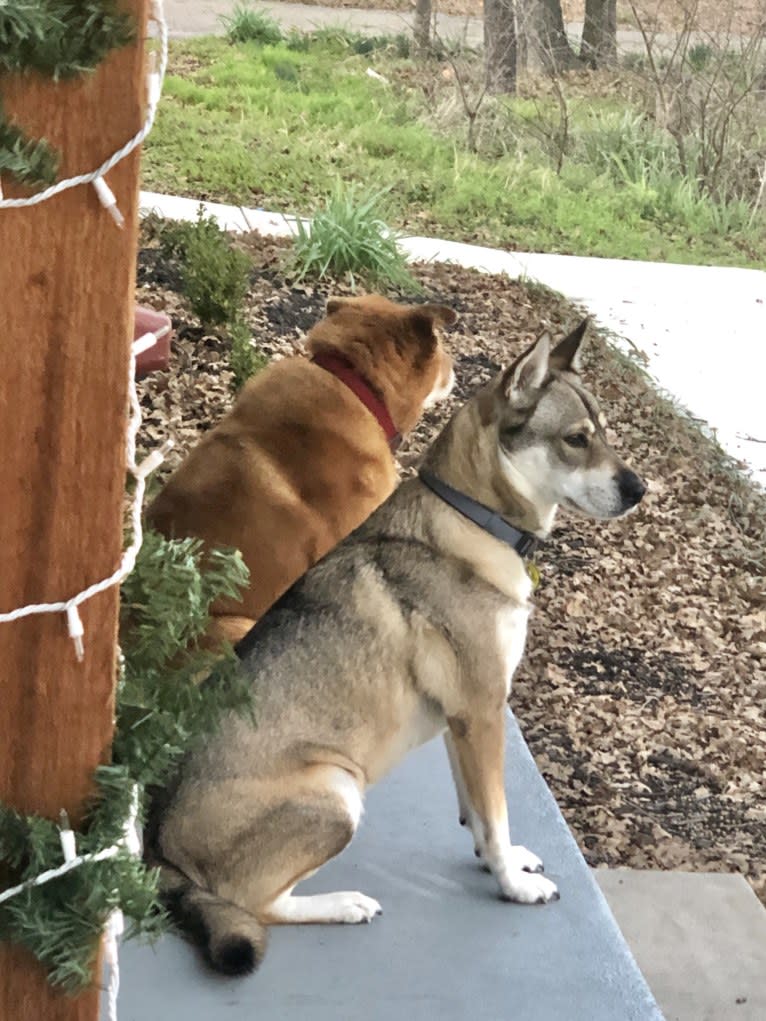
x,y
445,947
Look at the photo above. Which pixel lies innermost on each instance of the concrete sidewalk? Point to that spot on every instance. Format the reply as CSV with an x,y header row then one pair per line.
x,y
202,17
698,937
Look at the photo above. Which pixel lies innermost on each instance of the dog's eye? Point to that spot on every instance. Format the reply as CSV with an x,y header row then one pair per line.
x,y
577,440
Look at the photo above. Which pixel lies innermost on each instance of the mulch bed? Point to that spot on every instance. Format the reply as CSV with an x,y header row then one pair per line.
x,y
643,686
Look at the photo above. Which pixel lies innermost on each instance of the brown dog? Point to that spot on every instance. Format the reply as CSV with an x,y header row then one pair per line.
x,y
305,455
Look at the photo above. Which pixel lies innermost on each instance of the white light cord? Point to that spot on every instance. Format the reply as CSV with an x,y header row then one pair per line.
x,y
154,89
115,923
68,866
140,473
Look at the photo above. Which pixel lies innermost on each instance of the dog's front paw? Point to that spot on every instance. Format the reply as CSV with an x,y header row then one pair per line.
x,y
526,861
355,907
528,888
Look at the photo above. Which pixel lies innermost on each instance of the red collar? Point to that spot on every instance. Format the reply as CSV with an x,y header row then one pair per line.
x,y
343,370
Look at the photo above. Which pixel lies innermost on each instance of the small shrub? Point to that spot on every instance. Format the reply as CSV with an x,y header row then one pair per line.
x,y
246,25
244,360
348,238
298,41
359,42
365,44
699,56
172,235
215,275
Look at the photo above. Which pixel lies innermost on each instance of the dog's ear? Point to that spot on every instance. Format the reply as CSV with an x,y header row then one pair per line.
x,y
442,315
528,372
334,304
566,355
424,318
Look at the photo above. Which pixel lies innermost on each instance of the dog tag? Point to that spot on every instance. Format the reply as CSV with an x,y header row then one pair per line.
x,y
534,574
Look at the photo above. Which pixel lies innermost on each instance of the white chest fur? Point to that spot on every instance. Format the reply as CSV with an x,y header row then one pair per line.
x,y
511,636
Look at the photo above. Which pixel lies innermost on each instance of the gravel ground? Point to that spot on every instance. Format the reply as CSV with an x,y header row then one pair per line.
x,y
642,690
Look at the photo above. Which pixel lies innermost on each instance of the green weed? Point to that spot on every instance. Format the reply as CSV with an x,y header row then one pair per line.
x,y
244,360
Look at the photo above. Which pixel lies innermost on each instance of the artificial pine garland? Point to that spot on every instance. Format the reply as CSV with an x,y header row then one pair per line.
x,y
161,706
31,163
61,39
61,922
161,709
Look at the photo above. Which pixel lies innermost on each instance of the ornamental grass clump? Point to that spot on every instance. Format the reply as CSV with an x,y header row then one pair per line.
x,y
347,238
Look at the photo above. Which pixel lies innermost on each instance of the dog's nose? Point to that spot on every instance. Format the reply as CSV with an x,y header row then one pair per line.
x,y
631,487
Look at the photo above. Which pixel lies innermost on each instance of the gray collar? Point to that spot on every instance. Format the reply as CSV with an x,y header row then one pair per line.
x,y
525,543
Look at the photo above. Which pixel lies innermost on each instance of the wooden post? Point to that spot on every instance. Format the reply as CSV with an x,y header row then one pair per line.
x,y
67,277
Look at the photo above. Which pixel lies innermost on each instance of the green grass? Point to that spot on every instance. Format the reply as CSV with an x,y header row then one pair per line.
x,y
278,126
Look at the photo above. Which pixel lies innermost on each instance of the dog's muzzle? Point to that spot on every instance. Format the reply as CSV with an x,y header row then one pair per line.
x,y
631,487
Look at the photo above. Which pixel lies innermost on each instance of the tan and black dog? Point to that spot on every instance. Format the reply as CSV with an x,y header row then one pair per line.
x,y
305,454
412,627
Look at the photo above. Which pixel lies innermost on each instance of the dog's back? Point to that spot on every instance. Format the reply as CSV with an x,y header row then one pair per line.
x,y
300,461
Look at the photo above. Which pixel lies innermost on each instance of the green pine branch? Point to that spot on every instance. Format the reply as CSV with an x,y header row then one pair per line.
x,y
161,709
60,922
32,163
60,38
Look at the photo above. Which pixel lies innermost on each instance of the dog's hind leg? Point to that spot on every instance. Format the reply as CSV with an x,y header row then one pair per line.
x,y
226,629
346,906
293,838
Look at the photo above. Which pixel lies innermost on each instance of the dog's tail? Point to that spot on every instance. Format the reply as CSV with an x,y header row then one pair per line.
x,y
232,940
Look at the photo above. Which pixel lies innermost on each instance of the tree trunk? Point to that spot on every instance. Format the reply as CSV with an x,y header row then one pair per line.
x,y
68,293
547,41
422,28
500,46
599,34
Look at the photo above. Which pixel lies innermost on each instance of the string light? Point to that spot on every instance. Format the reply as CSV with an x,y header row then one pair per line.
x,y
108,201
140,472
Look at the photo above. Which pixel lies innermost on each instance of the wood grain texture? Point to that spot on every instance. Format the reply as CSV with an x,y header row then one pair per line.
x,y
66,304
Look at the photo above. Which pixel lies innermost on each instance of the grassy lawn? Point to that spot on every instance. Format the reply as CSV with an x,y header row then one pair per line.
x,y
277,127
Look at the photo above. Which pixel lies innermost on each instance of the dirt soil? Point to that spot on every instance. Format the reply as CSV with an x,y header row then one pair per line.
x,y
661,15
642,690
